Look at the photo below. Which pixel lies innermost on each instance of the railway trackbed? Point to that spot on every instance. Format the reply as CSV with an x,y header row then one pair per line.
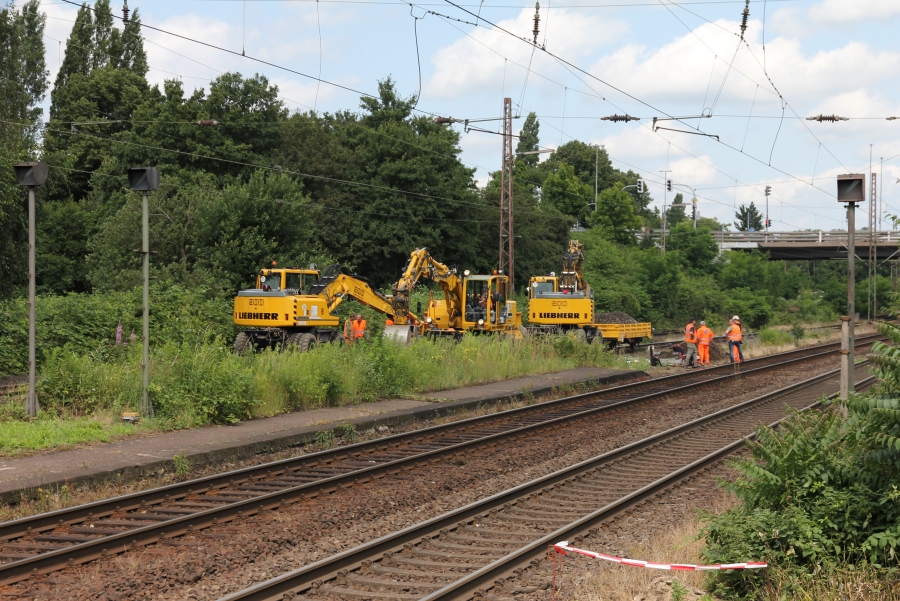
x,y
471,549
50,541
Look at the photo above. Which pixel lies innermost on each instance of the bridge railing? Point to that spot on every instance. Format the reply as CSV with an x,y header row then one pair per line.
x,y
863,237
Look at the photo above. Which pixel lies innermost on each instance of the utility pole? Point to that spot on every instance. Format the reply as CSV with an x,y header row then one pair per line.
x,y
506,195
768,191
145,180
667,185
851,190
31,176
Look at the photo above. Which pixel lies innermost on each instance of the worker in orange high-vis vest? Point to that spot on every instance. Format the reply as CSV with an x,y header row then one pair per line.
x,y
358,327
704,337
735,336
690,341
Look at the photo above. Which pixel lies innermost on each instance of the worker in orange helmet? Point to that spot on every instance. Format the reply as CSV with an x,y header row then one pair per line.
x,y
690,340
704,337
358,327
735,336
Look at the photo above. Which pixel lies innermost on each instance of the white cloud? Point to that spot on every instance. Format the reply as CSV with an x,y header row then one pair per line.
x,y
473,64
833,13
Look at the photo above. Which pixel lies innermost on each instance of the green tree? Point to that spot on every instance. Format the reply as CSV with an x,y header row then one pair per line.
x,y
529,141
408,188
615,215
132,55
748,219
563,190
676,214
696,247
202,234
23,83
23,75
78,58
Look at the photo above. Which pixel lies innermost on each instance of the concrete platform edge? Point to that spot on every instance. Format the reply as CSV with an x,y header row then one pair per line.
x,y
307,435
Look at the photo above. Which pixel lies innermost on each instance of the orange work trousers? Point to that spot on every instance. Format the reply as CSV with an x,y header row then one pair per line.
x,y
704,354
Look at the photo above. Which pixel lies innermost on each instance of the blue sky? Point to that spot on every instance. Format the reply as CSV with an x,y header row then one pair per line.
x,y
665,59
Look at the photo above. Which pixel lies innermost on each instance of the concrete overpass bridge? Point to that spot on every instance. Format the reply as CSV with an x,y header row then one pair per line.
x,y
815,245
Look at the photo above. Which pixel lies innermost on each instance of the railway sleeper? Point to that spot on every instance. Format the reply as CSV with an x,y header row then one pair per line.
x,y
392,571
376,582
355,594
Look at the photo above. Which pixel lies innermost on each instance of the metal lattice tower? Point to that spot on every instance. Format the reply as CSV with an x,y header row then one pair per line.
x,y
873,262
506,193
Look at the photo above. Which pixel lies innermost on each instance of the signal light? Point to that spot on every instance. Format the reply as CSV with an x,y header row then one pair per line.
x,y
640,186
669,185
768,190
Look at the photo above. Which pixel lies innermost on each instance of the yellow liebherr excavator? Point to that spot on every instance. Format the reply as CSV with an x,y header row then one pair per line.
x,y
565,303
472,303
294,308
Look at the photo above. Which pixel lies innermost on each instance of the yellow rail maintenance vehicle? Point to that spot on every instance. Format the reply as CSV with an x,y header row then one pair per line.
x,y
294,308
471,303
565,303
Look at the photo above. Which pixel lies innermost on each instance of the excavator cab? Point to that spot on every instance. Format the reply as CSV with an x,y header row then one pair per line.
x,y
486,302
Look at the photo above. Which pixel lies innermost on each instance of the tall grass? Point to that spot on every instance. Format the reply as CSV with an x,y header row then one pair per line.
x,y
197,384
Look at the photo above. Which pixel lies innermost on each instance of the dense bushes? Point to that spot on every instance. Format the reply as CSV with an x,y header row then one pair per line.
x,y
821,492
86,323
196,384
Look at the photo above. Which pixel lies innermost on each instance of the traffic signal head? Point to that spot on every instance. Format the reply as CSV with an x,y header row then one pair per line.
x,y
851,188
768,190
640,186
143,179
669,185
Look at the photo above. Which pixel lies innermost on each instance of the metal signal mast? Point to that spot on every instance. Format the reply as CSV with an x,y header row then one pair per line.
x,y
506,193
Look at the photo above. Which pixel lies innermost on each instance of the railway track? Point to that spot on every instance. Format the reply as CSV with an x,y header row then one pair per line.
x,y
49,541
455,555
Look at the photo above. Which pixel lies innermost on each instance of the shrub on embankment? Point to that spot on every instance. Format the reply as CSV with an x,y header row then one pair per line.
x,y
197,384
85,322
820,496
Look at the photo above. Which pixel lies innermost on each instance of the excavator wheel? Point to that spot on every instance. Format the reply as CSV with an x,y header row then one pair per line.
x,y
241,343
306,342
339,340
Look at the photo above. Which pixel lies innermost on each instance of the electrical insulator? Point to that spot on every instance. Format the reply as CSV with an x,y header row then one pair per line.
x,y
125,13
617,118
744,17
443,120
537,21
831,118
207,122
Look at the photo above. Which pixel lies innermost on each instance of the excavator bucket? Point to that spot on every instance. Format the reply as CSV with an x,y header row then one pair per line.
x,y
403,334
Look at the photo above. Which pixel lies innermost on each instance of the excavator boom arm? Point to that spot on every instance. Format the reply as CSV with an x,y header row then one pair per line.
x,y
421,264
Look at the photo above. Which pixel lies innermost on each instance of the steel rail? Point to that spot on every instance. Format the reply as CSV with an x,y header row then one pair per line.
x,y
466,586
316,574
116,542
94,510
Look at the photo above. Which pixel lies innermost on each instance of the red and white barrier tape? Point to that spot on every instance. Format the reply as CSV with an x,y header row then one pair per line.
x,y
564,548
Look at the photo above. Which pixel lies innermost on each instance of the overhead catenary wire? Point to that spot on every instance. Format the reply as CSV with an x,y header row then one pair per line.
x,y
635,98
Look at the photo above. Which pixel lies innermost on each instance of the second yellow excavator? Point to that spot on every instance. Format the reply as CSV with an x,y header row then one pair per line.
x,y
471,303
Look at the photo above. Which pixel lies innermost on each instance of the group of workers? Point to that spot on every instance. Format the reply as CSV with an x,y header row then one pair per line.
x,y
698,339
